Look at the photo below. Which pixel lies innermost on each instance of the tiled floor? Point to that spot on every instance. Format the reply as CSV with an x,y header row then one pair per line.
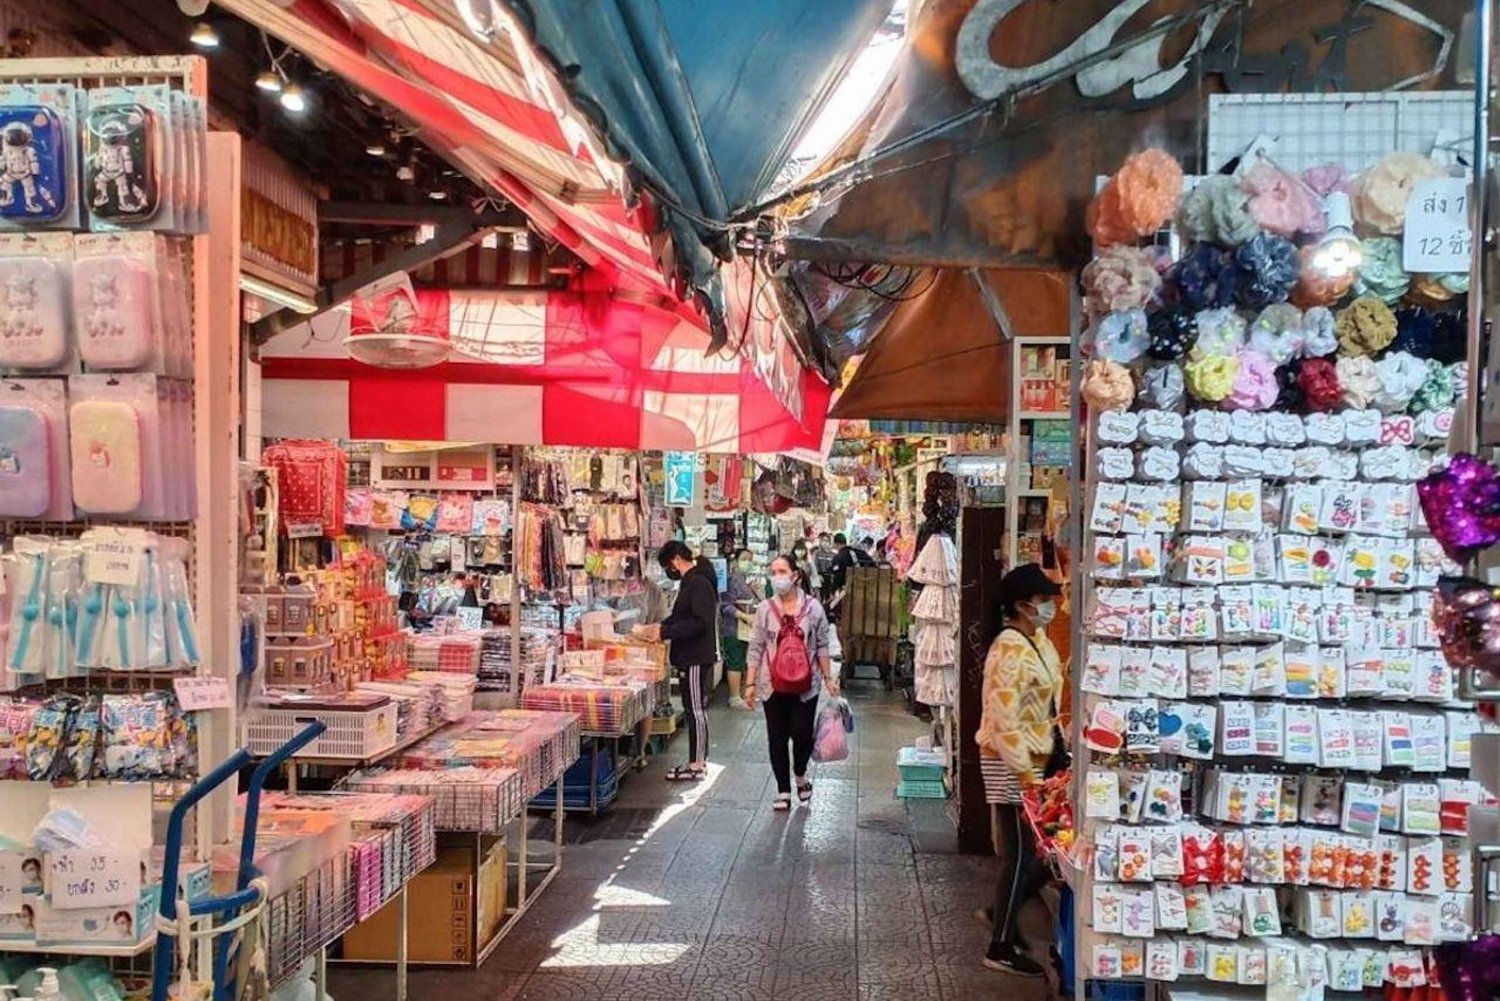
x,y
705,893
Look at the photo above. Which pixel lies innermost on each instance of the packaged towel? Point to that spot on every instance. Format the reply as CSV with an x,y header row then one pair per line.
x,y
1285,430
1207,425
1161,427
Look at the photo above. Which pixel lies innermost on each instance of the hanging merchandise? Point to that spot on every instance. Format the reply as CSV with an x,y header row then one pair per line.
x,y
35,271
38,171
1272,749
311,477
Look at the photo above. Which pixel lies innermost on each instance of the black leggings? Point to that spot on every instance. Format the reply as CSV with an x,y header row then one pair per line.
x,y
789,718
696,685
1022,871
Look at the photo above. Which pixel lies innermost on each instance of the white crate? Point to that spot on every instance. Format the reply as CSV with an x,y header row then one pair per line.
x,y
353,735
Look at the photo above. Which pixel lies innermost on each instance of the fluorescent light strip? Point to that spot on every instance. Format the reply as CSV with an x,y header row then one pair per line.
x,y
277,294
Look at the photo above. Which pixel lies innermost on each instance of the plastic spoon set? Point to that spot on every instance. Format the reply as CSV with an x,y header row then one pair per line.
x,y
107,601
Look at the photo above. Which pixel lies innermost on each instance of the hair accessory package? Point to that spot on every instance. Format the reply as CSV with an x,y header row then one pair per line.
x,y
34,479
113,438
38,175
34,277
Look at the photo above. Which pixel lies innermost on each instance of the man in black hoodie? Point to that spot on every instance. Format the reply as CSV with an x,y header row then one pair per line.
x,y
692,629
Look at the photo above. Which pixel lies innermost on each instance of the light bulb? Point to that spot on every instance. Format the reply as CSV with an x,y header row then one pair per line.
x,y
436,195
268,82
405,173
204,36
1339,250
293,98
375,149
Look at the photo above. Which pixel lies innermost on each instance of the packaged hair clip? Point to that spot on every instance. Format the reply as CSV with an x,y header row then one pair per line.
x,y
35,277
117,310
129,180
34,475
38,156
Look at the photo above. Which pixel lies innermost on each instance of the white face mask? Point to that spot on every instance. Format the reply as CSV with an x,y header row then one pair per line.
x,y
1046,611
781,585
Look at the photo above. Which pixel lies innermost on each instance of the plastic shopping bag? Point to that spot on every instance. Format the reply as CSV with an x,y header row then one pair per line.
x,y
830,739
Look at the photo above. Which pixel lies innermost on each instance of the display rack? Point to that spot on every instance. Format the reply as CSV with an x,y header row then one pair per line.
x,y
211,263
1039,399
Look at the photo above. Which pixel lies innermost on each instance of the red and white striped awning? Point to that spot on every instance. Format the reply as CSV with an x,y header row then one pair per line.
x,y
491,108
544,368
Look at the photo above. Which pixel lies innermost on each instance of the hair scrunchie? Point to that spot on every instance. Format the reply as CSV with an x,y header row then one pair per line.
x,y
1326,178
1107,385
1381,273
1211,377
1437,391
1255,386
1439,289
1458,375
1289,387
1365,326
1217,211
1380,194
1265,269
1319,333
1314,289
1416,331
1220,332
1204,278
1277,332
1138,200
1173,331
1163,387
1121,278
1318,378
1122,337
1401,376
1358,381
1282,203
1450,336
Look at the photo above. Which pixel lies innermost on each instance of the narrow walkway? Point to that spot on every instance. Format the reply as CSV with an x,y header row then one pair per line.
x,y
707,894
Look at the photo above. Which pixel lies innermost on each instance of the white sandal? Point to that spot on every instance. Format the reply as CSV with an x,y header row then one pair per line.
x,y
782,803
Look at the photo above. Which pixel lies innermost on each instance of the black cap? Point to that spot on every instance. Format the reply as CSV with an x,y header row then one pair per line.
x,y
1027,581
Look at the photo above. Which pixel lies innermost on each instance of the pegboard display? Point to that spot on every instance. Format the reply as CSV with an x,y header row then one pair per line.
x,y
1354,130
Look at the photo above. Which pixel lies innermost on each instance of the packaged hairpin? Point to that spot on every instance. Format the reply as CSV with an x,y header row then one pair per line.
x,y
128,158
38,172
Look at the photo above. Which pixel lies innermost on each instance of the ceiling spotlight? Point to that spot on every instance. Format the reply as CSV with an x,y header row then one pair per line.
x,y
204,36
268,82
293,98
436,195
405,173
375,149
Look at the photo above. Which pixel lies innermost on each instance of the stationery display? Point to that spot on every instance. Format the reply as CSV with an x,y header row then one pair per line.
x,y
604,709
540,745
464,798
1278,754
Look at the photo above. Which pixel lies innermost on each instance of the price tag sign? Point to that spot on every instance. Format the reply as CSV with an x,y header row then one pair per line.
x,y
12,881
470,618
88,877
1437,238
304,530
114,556
202,693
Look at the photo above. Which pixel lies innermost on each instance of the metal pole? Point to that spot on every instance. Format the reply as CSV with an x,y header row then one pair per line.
x,y
1478,307
401,944
517,456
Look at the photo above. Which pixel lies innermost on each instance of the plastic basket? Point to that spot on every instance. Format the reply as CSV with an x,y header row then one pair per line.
x,y
354,735
907,789
920,766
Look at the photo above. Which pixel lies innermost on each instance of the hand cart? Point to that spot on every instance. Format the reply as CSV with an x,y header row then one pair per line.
x,y
239,908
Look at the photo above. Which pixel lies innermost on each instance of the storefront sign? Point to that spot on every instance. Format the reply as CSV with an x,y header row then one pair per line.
x,y
681,470
1438,238
466,468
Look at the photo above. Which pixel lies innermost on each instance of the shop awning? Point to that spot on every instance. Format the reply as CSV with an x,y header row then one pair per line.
x,y
492,109
547,368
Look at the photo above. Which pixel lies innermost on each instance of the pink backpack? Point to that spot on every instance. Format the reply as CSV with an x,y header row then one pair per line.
x,y
791,665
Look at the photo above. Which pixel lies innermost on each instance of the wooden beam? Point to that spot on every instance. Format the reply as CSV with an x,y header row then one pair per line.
x,y
432,214
449,239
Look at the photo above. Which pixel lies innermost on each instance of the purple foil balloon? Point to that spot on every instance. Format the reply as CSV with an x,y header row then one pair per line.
x,y
1462,505
1470,971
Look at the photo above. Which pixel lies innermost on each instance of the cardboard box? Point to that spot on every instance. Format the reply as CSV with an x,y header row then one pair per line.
x,y
441,923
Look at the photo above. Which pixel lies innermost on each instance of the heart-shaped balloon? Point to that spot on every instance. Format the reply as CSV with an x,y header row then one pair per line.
x,y
1168,723
1461,503
1470,971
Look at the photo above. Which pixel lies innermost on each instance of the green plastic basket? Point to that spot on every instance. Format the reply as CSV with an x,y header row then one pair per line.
x,y
906,789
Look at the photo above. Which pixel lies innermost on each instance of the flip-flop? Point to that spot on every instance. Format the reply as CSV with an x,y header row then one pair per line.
x,y
684,773
782,803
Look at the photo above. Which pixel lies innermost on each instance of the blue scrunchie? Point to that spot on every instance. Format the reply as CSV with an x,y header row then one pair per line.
x,y
1204,278
1265,269
1122,337
1416,331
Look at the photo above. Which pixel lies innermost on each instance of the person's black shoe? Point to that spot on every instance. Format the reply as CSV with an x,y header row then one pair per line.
x,y
1010,959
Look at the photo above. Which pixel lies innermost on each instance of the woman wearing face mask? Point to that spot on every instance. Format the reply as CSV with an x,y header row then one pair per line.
x,y
736,620
1019,742
789,657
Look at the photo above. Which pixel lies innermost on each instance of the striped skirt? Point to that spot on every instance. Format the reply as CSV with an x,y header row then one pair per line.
x,y
1000,783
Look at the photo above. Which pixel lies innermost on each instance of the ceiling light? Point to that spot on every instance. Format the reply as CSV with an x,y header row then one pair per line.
x,y
436,195
375,149
204,36
293,98
278,295
405,173
268,82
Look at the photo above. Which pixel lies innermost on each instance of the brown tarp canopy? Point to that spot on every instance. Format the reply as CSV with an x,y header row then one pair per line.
x,y
942,355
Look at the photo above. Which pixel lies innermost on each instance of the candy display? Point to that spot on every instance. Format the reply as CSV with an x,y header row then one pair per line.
x,y
1277,754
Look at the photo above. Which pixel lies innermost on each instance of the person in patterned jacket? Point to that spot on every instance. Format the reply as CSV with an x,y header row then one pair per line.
x,y
1018,738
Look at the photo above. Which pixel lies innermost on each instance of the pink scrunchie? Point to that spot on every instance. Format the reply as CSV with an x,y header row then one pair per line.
x,y
1281,202
1120,278
1107,386
1255,385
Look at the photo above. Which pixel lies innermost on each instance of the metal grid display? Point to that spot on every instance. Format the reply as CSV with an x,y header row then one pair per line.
x,y
484,800
305,919
1351,129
